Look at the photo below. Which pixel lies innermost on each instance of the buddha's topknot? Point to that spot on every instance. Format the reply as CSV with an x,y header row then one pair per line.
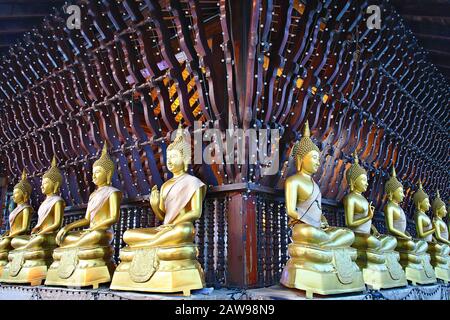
x,y
419,195
180,144
437,202
53,173
23,184
105,161
304,145
355,170
392,184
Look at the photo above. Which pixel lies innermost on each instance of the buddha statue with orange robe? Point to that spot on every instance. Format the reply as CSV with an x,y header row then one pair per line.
x,y
84,258
164,258
321,257
33,253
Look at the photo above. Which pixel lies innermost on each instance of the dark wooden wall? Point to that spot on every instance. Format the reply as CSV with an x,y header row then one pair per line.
x,y
137,68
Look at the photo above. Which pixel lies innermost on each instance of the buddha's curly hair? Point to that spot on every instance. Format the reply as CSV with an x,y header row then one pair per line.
x,y
23,184
53,173
305,145
180,144
419,195
392,184
437,202
105,161
355,170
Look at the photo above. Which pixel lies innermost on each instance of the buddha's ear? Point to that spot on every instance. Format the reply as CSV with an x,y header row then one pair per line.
x,y
26,197
351,185
56,187
298,163
389,196
109,177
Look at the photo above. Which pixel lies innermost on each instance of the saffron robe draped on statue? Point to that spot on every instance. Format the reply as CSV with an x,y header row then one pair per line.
x,y
179,194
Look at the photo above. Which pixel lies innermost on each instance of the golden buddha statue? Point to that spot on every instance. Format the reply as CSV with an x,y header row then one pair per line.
x,y
19,219
424,225
439,248
33,253
321,257
84,258
413,253
376,253
164,259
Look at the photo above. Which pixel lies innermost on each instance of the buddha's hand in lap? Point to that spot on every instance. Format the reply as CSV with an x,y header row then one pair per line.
x,y
60,236
33,235
324,225
165,226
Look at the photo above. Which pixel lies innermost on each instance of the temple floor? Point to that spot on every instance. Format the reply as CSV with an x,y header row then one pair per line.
x,y
438,291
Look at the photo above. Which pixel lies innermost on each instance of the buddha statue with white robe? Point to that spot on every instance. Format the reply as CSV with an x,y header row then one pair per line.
x,y
376,252
84,258
19,220
413,253
321,257
164,258
33,253
439,247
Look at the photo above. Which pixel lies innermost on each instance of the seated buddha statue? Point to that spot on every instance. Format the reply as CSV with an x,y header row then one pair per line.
x,y
33,253
321,257
376,253
84,258
164,258
413,253
19,220
439,248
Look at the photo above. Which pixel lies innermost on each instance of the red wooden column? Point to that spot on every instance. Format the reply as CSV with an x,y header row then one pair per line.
x,y
242,259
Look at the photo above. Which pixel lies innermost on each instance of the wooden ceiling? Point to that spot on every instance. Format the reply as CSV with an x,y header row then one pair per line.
x,y
429,20
20,16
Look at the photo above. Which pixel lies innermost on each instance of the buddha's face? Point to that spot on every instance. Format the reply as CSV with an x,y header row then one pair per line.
x,y
18,196
424,205
310,163
398,195
47,186
175,161
99,176
442,212
360,184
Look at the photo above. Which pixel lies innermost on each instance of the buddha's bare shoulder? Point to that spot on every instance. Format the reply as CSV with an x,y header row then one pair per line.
x,y
391,207
293,179
350,197
166,185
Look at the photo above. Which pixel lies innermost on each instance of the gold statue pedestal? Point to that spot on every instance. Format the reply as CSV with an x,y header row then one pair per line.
x,y
440,260
27,266
381,270
81,267
418,268
3,262
321,270
159,269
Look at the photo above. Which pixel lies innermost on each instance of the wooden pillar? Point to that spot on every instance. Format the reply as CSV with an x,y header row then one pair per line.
x,y
242,250
242,244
